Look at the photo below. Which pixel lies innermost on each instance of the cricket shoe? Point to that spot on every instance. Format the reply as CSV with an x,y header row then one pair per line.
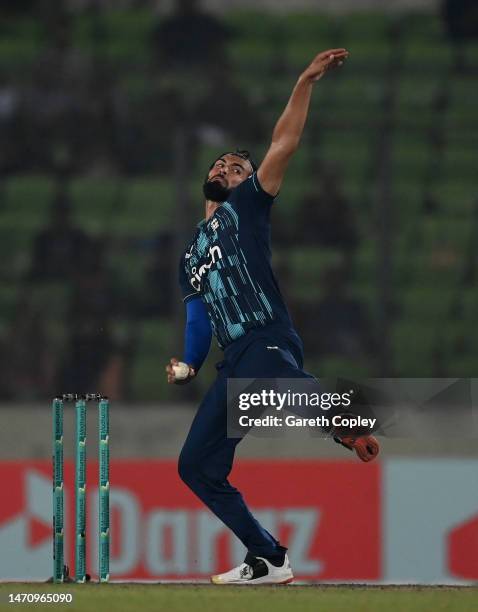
x,y
256,570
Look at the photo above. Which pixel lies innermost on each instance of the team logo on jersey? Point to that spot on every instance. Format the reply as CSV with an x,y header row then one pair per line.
x,y
214,224
214,255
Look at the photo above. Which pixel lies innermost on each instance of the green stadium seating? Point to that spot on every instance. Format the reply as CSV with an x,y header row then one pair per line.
x,y
307,266
413,344
8,302
371,26
459,164
27,201
432,129
332,367
425,304
155,347
349,151
118,36
411,160
250,47
96,203
145,207
467,300
21,41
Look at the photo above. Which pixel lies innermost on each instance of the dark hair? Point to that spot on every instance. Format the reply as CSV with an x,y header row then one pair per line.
x,y
242,153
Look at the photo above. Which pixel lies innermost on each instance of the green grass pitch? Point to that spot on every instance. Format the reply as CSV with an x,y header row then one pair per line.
x,y
196,598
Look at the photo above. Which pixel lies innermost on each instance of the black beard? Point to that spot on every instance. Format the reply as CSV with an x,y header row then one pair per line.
x,y
214,191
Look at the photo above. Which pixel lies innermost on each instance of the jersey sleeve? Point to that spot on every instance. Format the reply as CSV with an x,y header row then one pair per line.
x,y
197,335
187,290
250,199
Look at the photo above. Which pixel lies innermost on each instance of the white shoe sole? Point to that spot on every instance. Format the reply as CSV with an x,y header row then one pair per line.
x,y
263,580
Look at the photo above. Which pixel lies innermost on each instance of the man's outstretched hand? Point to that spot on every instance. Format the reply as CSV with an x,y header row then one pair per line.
x,y
366,447
327,60
173,378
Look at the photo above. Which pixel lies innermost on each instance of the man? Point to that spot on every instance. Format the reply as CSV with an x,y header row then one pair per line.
x,y
230,290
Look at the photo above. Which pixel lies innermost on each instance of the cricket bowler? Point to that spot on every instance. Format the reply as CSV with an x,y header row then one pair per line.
x,y
230,291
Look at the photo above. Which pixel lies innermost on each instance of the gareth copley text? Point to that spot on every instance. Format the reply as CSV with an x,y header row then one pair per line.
x,y
339,420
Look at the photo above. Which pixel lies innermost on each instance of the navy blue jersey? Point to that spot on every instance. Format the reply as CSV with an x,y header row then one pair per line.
x,y
228,264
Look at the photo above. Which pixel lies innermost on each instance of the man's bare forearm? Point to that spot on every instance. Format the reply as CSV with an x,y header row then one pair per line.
x,y
288,130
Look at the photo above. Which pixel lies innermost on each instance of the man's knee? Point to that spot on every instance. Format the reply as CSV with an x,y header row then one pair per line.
x,y
194,468
188,466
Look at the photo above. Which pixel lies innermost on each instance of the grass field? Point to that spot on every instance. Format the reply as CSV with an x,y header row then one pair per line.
x,y
190,598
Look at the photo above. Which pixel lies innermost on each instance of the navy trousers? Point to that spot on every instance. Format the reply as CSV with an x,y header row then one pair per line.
x,y
207,455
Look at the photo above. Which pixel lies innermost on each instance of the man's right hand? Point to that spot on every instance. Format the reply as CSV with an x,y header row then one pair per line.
x,y
171,376
327,60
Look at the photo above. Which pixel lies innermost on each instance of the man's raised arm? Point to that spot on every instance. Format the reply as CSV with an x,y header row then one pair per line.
x,y
289,128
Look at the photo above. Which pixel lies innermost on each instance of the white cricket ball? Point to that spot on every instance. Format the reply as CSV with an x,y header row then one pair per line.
x,y
181,370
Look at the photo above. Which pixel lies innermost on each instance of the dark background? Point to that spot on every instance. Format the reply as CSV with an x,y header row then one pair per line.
x,y
109,119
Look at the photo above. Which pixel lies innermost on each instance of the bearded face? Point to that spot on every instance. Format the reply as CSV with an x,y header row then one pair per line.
x,y
226,173
216,190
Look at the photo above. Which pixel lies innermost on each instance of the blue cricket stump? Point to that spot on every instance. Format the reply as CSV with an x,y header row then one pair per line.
x,y
104,491
58,502
60,572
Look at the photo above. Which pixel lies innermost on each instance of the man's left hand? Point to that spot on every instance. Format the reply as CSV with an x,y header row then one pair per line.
x,y
366,447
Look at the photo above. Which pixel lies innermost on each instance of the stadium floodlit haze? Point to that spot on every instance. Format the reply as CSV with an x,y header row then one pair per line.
x,y
110,116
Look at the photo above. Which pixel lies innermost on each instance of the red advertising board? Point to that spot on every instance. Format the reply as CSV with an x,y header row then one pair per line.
x,y
326,512
398,520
